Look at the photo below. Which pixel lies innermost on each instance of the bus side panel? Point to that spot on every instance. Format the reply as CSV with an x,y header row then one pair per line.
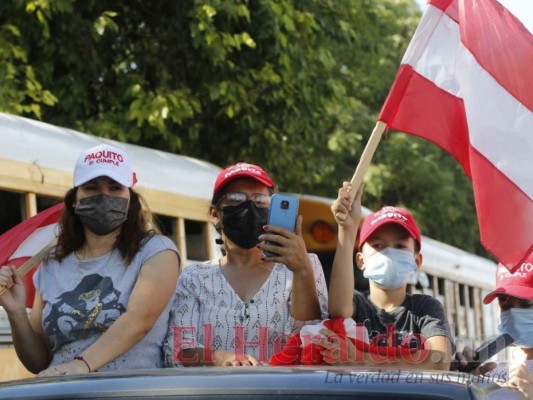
x,y
10,367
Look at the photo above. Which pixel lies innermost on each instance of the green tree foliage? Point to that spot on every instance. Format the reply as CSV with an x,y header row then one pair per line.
x,y
294,85
20,91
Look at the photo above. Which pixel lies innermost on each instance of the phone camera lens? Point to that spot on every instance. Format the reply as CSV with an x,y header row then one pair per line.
x,y
284,205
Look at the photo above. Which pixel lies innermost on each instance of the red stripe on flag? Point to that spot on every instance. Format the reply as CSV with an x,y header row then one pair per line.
x,y
501,45
440,4
416,105
12,239
449,7
505,220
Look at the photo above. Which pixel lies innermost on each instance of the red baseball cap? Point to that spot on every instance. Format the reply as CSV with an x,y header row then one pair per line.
x,y
389,215
518,284
242,170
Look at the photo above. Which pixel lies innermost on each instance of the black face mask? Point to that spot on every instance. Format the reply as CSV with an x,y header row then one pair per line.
x,y
242,224
102,214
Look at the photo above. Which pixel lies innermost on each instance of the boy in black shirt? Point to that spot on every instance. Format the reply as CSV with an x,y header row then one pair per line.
x,y
389,250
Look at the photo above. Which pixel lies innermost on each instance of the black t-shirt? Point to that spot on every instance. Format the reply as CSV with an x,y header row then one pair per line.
x,y
418,318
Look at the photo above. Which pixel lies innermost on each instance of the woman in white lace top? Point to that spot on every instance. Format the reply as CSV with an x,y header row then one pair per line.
x,y
238,310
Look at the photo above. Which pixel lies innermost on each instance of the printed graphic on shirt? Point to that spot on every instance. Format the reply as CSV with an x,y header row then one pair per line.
x,y
393,337
90,308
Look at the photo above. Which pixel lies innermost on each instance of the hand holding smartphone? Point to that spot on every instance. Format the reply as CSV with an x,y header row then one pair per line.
x,y
282,213
485,352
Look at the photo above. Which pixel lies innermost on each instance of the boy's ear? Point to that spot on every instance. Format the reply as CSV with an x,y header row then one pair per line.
x,y
359,260
418,260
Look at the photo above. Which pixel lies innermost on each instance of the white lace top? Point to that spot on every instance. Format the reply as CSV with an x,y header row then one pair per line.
x,y
207,309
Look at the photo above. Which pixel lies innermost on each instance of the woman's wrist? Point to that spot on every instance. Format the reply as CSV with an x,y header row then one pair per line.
x,y
17,315
303,271
84,361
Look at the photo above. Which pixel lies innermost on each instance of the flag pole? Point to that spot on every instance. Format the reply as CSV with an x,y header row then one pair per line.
x,y
364,162
32,262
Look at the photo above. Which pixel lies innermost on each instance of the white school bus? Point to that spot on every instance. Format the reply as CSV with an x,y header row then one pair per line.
x,y
36,165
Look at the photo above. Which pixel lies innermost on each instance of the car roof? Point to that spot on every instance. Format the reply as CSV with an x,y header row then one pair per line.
x,y
250,382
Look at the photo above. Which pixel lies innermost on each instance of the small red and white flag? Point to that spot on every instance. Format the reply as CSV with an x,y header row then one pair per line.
x,y
465,83
26,239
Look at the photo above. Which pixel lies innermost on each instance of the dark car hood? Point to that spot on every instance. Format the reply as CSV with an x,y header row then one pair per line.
x,y
254,383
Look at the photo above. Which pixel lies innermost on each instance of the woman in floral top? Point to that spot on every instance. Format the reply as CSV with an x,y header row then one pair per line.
x,y
240,309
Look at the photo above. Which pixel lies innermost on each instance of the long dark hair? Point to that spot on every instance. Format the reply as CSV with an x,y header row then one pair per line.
x,y
139,225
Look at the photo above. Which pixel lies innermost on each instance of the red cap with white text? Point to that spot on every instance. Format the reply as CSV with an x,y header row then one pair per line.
x,y
518,284
389,215
242,170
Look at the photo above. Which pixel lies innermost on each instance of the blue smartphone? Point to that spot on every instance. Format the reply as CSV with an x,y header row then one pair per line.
x,y
283,213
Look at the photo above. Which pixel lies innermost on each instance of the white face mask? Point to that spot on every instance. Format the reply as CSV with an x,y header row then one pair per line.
x,y
390,267
518,322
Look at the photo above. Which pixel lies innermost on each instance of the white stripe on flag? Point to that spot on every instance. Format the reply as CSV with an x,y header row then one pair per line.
x,y
433,56
490,108
35,242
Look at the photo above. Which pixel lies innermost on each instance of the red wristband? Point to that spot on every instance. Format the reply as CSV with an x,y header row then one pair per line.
x,y
85,361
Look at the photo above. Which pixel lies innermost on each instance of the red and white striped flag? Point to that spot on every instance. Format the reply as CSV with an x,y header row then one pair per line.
x,y
466,84
26,239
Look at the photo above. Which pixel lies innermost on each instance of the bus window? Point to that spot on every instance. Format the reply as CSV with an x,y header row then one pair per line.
x,y
420,283
196,239
44,202
361,283
167,226
326,259
438,289
15,203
